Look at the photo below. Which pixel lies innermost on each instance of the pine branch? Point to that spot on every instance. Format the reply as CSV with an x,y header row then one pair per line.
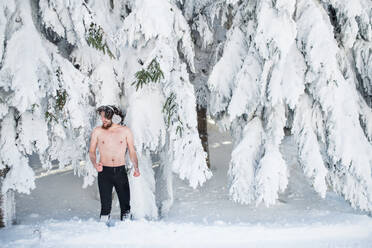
x,y
170,109
152,73
95,39
60,101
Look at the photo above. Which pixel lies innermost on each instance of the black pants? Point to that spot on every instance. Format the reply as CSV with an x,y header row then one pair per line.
x,y
114,177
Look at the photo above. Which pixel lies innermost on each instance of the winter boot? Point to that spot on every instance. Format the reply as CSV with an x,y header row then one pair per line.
x,y
104,218
126,216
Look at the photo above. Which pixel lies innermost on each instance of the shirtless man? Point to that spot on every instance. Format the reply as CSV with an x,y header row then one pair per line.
x,y
112,141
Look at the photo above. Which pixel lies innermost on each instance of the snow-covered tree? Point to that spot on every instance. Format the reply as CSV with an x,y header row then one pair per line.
x,y
61,59
44,99
162,113
205,18
301,65
258,66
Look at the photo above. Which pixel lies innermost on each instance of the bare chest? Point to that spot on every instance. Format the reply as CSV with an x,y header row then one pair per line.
x,y
112,140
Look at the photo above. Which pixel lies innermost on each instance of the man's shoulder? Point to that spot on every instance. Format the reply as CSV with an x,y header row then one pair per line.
x,y
124,128
97,129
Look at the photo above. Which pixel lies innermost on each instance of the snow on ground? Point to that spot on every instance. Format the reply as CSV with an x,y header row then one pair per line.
x,y
59,213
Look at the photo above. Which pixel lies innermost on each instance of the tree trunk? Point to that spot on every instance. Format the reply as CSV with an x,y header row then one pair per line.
x,y
7,203
203,130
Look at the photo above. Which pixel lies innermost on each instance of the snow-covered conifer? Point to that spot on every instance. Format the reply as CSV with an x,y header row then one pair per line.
x,y
258,66
251,88
303,63
348,156
163,112
85,54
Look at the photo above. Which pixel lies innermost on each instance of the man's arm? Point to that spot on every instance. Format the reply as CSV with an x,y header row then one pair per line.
x,y
92,149
132,152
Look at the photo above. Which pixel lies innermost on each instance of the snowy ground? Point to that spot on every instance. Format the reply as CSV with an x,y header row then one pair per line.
x,y
59,213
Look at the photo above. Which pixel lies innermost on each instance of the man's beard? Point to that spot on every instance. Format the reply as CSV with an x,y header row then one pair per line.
x,y
107,126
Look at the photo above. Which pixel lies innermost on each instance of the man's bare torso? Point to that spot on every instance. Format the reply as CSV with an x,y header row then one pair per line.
x,y
112,145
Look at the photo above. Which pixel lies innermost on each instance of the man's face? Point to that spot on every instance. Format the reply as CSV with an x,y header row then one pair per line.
x,y
106,123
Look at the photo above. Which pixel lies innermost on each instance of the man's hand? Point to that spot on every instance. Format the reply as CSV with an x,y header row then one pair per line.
x,y
136,172
99,167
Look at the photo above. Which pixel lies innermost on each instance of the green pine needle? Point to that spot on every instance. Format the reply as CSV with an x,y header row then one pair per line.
x,y
95,39
152,73
170,109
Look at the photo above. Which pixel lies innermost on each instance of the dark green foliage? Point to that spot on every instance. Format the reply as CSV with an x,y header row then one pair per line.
x,y
60,101
152,73
33,106
170,108
95,39
155,72
59,74
50,117
179,128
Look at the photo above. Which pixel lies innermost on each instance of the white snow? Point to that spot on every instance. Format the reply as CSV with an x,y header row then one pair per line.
x,y
59,213
246,59
275,53
258,65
